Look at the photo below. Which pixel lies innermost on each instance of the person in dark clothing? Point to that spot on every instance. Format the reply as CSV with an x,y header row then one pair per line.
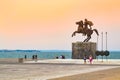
x,y
85,58
25,57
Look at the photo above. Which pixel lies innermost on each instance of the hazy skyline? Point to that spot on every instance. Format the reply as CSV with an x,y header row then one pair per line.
x,y
48,24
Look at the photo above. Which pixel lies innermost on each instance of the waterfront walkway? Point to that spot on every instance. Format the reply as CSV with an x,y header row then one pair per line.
x,y
75,61
51,68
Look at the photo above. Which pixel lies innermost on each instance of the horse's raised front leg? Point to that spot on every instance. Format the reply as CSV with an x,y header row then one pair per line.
x,y
74,33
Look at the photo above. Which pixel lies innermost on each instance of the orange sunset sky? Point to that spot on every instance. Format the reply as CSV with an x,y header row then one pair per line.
x,y
48,24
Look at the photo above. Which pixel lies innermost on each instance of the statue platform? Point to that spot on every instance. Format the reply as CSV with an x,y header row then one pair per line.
x,y
80,49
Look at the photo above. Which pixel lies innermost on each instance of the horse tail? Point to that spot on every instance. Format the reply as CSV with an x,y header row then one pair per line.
x,y
96,31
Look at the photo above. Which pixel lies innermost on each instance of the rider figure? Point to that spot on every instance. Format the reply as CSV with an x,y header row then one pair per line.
x,y
86,23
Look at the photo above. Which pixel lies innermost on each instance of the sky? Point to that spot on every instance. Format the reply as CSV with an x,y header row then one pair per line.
x,y
49,24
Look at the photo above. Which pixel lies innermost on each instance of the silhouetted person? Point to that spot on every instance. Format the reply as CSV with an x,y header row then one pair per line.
x,y
63,57
33,57
85,58
90,59
57,57
25,57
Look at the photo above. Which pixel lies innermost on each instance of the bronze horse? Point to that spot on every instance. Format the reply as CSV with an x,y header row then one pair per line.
x,y
84,31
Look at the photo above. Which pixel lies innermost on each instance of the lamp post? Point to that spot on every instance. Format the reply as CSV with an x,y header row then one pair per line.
x,y
106,52
97,53
102,54
106,40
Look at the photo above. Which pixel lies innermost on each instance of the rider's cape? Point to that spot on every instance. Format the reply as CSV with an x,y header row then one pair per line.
x,y
90,23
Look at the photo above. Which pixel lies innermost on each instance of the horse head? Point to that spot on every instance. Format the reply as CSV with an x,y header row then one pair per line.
x,y
80,23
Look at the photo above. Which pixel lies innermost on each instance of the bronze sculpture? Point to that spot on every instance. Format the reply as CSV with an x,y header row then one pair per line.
x,y
83,29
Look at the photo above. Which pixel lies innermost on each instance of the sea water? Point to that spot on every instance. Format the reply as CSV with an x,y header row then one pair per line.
x,y
29,53
47,54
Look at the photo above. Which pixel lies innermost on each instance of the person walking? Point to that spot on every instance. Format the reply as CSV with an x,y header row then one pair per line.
x,y
90,59
85,58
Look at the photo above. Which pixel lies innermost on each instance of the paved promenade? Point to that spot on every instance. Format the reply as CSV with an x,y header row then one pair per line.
x,y
48,69
76,61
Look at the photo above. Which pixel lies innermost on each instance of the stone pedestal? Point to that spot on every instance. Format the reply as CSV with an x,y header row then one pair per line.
x,y
80,49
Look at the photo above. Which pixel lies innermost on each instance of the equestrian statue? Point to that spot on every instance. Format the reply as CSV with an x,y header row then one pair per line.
x,y
83,29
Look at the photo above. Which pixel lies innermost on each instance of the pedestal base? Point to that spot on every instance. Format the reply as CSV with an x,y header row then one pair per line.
x,y
80,49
